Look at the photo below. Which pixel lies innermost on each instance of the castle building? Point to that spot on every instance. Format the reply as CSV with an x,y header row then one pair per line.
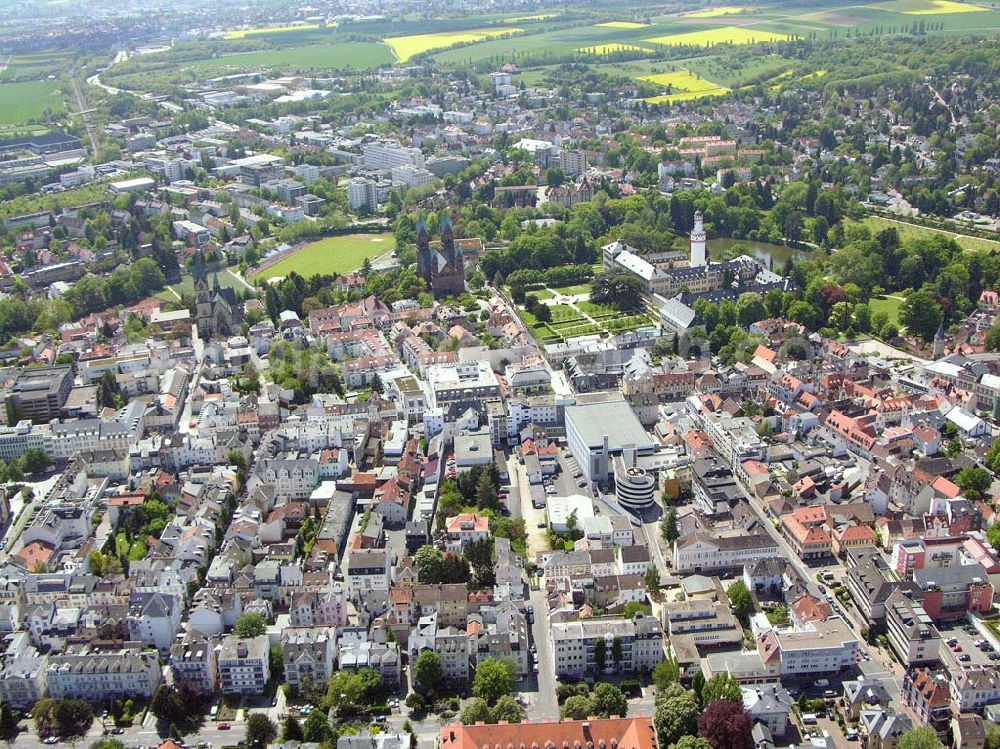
x,y
440,264
218,311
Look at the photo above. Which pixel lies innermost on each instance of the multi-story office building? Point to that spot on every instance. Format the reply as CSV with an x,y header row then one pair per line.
x,y
40,392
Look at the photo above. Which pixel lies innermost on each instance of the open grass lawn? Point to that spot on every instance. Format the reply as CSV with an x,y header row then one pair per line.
x,y
912,231
580,288
332,255
243,33
926,7
888,304
683,85
406,47
20,102
722,35
356,55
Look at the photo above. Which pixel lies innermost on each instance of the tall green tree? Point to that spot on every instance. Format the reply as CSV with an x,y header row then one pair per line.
x,y
261,730
427,671
494,678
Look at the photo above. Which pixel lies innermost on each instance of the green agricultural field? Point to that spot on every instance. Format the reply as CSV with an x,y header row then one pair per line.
x,y
20,102
722,35
609,49
406,47
34,65
335,55
332,255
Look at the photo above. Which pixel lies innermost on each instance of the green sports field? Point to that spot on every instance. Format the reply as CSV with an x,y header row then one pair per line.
x,y
332,255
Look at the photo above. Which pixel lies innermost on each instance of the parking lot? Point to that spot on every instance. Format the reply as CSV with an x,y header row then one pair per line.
x,y
959,647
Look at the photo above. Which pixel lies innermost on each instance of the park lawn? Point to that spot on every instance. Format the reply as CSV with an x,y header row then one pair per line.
x,y
926,7
722,35
332,255
622,25
406,47
356,55
20,102
724,10
580,288
562,312
243,33
912,231
888,304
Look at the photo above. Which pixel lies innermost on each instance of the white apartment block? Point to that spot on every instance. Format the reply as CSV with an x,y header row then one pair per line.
x,y
388,155
702,552
574,645
824,647
293,479
15,441
244,667
411,176
96,677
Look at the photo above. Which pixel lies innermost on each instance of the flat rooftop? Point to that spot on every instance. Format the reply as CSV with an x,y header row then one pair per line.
x,y
614,418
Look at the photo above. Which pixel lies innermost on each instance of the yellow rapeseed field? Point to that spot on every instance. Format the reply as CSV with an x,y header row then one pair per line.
x,y
926,7
721,35
406,47
622,25
242,33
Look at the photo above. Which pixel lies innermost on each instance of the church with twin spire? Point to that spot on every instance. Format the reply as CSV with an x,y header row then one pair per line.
x,y
218,311
440,264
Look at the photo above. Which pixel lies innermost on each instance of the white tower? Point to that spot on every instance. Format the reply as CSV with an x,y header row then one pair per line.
x,y
698,257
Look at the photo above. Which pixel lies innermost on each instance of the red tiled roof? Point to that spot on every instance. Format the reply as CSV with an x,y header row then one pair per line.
x,y
625,733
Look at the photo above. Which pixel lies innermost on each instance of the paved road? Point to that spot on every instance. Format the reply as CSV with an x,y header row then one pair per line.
x,y
542,701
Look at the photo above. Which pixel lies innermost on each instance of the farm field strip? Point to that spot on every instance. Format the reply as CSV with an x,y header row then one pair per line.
x,y
721,35
684,85
406,47
609,49
926,7
724,10
243,33
622,25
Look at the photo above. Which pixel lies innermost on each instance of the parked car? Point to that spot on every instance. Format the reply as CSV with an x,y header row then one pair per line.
x,y
965,657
